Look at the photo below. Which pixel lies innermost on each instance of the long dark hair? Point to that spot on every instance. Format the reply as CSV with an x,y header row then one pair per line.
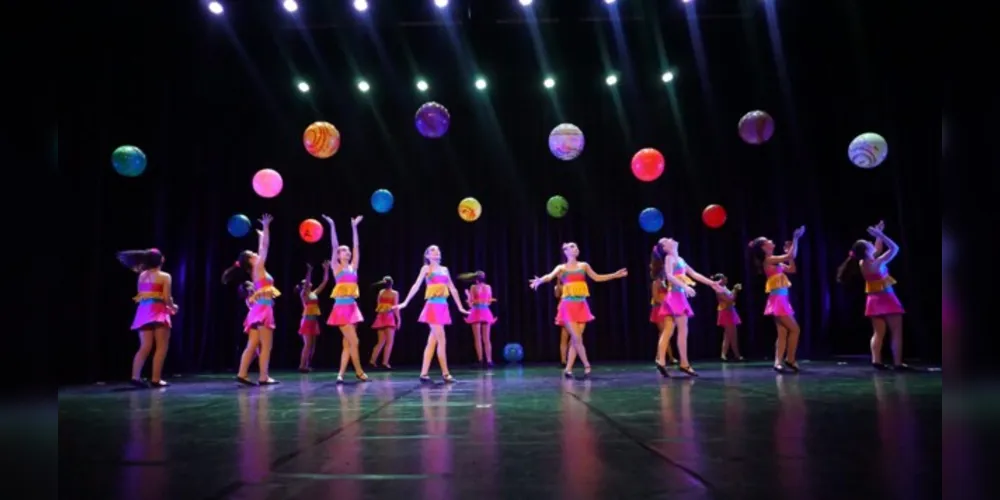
x,y
850,268
656,263
239,268
477,276
719,277
756,253
140,260
387,280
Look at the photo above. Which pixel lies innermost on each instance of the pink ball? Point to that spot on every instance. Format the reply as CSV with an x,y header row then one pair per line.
x,y
267,183
647,165
756,127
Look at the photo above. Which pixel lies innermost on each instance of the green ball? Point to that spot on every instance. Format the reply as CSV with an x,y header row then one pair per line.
x,y
129,161
557,206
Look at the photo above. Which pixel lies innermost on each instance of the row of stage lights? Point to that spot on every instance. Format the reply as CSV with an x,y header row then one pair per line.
x,y
216,7
480,83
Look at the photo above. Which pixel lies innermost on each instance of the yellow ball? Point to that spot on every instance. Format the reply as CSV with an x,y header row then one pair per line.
x,y
469,209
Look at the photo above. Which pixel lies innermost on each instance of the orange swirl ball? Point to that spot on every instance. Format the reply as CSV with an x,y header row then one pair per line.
x,y
469,209
321,140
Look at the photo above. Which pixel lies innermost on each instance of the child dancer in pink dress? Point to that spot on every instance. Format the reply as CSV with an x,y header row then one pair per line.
x,y
152,315
346,314
881,305
574,312
386,323
675,306
658,293
777,268
728,319
479,296
435,313
259,323
309,326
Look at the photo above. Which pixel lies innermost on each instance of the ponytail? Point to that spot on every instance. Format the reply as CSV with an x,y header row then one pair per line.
x,y
850,267
656,263
386,280
239,268
140,260
756,254
473,276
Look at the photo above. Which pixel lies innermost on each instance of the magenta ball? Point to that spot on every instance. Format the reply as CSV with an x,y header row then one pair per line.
x,y
756,127
432,120
267,183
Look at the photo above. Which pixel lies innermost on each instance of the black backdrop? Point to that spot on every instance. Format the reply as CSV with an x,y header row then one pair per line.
x,y
212,100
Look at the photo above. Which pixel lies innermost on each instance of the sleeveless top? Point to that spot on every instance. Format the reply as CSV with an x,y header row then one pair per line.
x,y
574,285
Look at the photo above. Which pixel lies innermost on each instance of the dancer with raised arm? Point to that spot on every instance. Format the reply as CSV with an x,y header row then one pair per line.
x,y
346,313
777,268
309,326
155,306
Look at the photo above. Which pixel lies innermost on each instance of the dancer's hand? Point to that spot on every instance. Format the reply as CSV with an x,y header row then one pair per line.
x,y
265,220
788,246
464,311
309,268
876,232
799,232
326,265
880,226
174,308
737,287
399,307
689,291
357,220
328,219
535,282
717,287
621,273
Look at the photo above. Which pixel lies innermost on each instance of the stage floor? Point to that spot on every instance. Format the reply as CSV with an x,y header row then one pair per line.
x,y
739,431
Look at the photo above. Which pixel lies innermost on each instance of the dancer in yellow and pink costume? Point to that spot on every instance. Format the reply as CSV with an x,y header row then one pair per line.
x,y
345,313
777,268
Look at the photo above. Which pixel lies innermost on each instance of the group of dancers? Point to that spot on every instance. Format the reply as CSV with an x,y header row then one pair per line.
x,y
673,281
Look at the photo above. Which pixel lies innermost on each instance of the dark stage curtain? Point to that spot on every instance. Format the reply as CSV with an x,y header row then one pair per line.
x,y
213,106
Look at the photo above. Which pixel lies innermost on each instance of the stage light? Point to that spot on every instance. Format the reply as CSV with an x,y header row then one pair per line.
x,y
422,86
290,5
668,77
481,83
303,87
215,8
525,2
360,5
611,80
609,2
549,82
363,86
441,3
685,1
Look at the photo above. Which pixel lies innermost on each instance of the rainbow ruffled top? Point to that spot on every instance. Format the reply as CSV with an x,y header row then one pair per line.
x,y
312,306
264,289
726,300
879,282
659,293
574,284
347,284
150,292
776,279
679,272
481,296
385,302
437,285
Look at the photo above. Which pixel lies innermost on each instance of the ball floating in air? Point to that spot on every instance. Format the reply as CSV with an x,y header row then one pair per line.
x,y
238,225
321,140
647,165
310,230
566,141
714,216
129,161
651,220
267,183
557,206
756,127
868,150
469,209
382,201
432,120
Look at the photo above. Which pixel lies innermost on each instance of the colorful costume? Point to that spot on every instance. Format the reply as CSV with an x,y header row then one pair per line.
x,y
345,299
384,316
310,316
152,306
435,310
727,310
776,289
573,307
261,304
656,314
480,298
676,301
881,299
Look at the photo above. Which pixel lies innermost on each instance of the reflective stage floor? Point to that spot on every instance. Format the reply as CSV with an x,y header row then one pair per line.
x,y
739,431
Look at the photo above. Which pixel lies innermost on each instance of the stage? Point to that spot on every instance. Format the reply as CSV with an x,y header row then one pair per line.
x,y
836,430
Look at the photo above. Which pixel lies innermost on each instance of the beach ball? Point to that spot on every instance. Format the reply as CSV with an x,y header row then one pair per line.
x,y
129,161
238,225
647,165
267,183
382,201
566,141
756,127
868,150
469,209
513,352
714,216
321,140
310,230
557,206
432,120
651,220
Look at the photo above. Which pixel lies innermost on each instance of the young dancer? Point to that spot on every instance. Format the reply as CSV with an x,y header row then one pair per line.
x,y
728,319
574,312
309,326
259,323
658,293
479,296
675,307
152,315
435,313
345,313
881,305
387,322
777,268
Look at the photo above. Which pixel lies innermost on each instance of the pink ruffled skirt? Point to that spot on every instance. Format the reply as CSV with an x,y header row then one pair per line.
x,y
657,314
435,312
480,314
152,311
384,320
883,303
728,317
573,311
261,314
778,304
676,304
345,312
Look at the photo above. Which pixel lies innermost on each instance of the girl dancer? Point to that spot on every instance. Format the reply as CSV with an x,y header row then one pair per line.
x,y
882,305
728,319
309,326
435,313
386,323
675,307
659,293
574,312
776,268
479,296
345,313
259,323
152,316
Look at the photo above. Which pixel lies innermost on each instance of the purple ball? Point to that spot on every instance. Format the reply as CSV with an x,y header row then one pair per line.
x,y
432,120
756,127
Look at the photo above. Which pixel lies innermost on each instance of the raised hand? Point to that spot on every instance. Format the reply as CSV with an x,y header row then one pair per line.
x,y
875,231
309,267
788,246
265,220
799,232
357,220
328,219
326,265
880,226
